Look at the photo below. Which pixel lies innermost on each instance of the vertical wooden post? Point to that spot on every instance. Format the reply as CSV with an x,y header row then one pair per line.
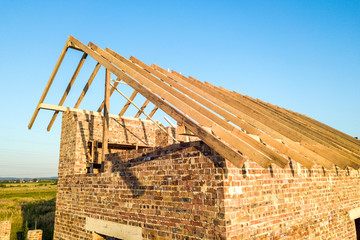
x,y
106,115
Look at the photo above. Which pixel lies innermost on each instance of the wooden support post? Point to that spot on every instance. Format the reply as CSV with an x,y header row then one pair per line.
x,y
106,115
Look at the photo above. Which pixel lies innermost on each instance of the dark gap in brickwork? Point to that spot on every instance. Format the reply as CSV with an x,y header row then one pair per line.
x,y
348,171
291,168
337,171
324,171
309,172
271,171
243,171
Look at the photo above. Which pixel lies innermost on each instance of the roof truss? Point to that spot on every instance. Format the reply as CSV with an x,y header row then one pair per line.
x,y
232,124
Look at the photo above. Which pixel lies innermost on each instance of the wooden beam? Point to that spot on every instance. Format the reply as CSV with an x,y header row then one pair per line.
x,y
106,122
155,122
113,87
68,88
227,152
247,145
87,85
49,83
127,104
142,108
153,111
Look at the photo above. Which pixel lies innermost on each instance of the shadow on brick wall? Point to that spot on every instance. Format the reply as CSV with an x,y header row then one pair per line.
x,y
124,166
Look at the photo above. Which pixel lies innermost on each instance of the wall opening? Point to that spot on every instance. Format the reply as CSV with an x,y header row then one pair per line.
x,y
98,236
357,226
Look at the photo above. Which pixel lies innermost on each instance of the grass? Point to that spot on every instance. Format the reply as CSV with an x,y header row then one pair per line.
x,y
28,205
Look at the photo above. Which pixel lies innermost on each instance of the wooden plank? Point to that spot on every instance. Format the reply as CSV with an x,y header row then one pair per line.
x,y
68,88
49,83
155,122
277,125
247,145
224,150
142,108
111,92
127,104
87,85
153,112
105,138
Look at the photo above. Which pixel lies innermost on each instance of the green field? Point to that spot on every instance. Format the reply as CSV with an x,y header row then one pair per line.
x,y
28,206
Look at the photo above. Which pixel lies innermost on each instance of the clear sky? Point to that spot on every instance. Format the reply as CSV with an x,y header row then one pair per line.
x,y
301,55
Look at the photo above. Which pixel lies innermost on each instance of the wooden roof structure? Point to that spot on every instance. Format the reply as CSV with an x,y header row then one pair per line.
x,y
232,124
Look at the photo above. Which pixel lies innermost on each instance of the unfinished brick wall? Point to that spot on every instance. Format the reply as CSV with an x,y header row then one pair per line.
x,y
5,230
187,191
290,203
34,234
79,128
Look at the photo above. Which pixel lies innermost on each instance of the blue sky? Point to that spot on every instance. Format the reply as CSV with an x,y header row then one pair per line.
x,y
301,55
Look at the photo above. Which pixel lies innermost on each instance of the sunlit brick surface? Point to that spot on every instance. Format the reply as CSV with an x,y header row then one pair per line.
x,y
187,191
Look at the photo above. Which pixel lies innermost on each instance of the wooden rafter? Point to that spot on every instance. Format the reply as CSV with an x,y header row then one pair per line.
x,y
142,108
49,83
68,88
149,117
153,111
127,104
87,85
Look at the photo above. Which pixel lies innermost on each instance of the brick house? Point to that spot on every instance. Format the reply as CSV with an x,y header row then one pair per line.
x,y
233,168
